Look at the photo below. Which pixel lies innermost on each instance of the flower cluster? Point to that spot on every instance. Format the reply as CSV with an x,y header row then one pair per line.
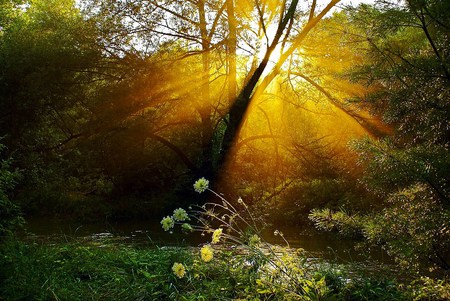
x,y
275,268
180,215
201,185
207,253
167,223
187,228
216,236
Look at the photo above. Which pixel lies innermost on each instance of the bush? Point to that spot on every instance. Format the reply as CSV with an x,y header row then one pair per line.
x,y
372,289
429,289
10,217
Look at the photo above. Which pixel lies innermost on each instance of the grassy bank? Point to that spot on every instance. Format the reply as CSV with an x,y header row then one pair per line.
x,y
72,271
88,271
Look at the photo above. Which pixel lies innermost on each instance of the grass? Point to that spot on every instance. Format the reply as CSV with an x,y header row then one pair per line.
x,y
78,272
75,271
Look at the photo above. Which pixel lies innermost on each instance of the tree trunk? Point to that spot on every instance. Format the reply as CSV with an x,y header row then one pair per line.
x,y
231,51
205,160
239,107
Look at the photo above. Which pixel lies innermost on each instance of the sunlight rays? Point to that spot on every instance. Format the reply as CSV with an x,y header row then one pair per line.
x,y
293,118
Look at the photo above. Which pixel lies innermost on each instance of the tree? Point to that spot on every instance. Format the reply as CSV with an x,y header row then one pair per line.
x,y
45,55
206,29
285,21
50,63
141,94
408,170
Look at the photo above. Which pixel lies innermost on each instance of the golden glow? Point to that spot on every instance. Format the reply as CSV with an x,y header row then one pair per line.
x,y
267,39
298,122
284,130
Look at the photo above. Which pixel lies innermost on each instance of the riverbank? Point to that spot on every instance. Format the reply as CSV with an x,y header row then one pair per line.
x,y
80,270
149,233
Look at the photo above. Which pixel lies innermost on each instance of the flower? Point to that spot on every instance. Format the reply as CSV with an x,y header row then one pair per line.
x,y
254,240
216,236
201,185
167,223
180,215
207,253
178,269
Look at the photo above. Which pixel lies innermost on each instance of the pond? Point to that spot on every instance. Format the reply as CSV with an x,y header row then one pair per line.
x,y
328,246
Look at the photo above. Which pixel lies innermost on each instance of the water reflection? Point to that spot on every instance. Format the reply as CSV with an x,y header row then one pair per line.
x,y
149,233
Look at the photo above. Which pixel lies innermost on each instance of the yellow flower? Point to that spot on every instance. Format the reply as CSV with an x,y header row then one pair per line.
x,y
179,270
207,253
216,236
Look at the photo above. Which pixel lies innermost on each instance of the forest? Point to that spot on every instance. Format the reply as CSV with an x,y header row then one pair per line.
x,y
229,119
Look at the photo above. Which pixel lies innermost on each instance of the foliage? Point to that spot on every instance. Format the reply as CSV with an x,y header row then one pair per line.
x,y
372,289
392,167
103,270
406,58
47,57
413,228
97,107
407,171
43,51
426,288
10,218
80,271
340,221
295,201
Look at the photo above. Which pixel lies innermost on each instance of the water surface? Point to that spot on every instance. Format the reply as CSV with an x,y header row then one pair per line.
x,y
328,246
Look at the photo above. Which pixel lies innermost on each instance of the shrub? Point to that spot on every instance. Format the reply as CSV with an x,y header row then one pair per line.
x,y
10,217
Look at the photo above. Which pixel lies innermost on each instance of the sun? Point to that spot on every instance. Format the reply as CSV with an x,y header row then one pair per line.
x,y
267,38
